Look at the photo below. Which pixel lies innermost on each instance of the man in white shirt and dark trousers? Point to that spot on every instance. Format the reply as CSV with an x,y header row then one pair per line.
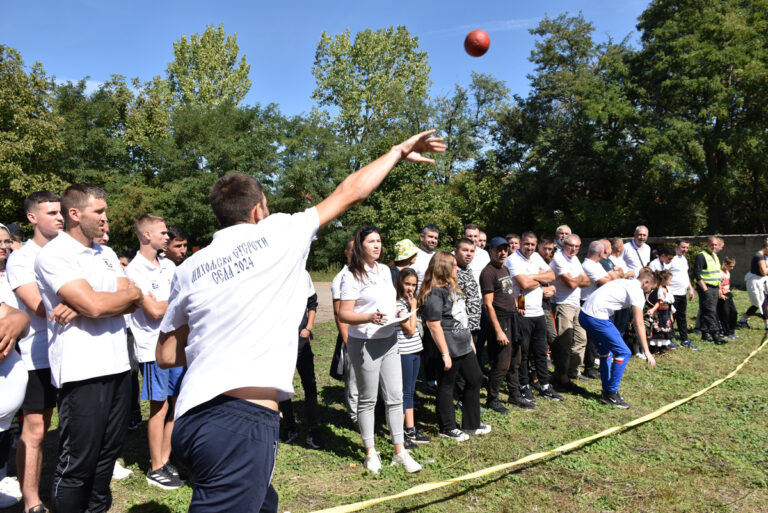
x,y
232,318
531,275
44,213
160,387
681,288
88,353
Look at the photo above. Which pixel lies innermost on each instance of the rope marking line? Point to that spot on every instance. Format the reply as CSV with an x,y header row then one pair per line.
x,y
434,485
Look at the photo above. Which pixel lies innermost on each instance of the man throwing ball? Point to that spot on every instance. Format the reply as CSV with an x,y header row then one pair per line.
x,y
232,316
595,319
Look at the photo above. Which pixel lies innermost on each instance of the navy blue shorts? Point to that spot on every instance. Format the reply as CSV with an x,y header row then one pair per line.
x,y
160,384
231,447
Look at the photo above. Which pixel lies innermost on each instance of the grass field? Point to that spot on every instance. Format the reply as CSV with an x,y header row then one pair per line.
x,y
708,455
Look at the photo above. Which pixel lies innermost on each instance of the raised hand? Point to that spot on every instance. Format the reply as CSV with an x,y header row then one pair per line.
x,y
414,147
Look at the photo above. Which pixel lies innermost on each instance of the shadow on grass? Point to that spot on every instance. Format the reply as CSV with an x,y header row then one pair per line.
x,y
149,507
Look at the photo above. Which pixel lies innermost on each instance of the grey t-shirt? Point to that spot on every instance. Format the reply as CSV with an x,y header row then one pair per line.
x,y
441,305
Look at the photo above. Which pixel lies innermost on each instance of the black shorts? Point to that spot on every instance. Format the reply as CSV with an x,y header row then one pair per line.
x,y
41,394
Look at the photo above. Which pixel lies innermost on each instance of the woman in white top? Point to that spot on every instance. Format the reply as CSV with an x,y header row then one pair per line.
x,y
368,305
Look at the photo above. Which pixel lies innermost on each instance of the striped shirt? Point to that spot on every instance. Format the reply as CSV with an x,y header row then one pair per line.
x,y
407,344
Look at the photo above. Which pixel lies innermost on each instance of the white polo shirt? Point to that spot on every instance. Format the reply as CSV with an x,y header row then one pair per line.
x,y
86,347
595,272
680,279
336,285
375,293
154,279
420,264
478,263
243,298
562,265
636,258
518,264
614,295
21,271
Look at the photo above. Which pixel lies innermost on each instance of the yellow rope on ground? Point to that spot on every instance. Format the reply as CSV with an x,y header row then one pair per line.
x,y
434,485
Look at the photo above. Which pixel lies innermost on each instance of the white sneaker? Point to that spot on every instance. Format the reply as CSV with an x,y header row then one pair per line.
x,y
641,356
10,492
405,460
484,429
373,462
120,472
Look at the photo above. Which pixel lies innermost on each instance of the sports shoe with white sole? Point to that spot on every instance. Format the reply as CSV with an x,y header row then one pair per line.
x,y
373,462
484,429
161,478
405,460
120,472
455,434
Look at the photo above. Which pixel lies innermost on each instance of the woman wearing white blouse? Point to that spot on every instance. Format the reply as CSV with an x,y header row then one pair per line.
x,y
367,304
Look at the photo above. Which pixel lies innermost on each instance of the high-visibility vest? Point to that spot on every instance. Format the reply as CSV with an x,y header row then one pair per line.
x,y
711,274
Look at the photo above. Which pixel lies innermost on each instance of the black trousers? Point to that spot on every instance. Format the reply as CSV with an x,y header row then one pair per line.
x,y
93,419
726,314
467,367
533,343
708,310
305,364
681,307
505,360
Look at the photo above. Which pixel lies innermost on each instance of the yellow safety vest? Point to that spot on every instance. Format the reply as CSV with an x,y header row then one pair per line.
x,y
711,274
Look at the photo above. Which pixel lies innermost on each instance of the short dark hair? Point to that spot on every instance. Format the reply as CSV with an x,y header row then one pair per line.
x,y
680,241
546,239
77,195
176,232
233,197
463,240
471,226
528,235
666,251
430,228
34,199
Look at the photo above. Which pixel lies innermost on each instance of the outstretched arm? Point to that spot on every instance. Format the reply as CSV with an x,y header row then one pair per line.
x,y
360,184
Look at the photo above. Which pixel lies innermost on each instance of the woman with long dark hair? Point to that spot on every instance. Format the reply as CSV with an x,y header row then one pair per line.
x,y
367,304
444,310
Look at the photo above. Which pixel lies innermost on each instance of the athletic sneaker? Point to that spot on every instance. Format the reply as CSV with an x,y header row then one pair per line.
x,y
641,356
614,399
405,460
409,444
287,435
417,437
521,402
172,469
120,472
455,434
526,392
484,429
373,462
164,479
689,345
496,406
592,373
10,492
315,439
548,392
743,323
671,345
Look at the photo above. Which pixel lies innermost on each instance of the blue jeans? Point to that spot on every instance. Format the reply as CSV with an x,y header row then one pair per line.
x,y
410,364
231,447
609,344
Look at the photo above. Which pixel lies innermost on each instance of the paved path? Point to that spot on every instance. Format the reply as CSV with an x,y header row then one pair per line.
x,y
325,306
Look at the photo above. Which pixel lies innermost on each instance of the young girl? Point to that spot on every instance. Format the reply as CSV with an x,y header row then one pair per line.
x,y
368,302
661,312
409,346
726,309
443,309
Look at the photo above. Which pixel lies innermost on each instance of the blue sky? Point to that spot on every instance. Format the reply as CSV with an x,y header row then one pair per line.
x,y
75,39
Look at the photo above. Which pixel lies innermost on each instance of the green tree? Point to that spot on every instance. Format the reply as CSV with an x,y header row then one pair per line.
x,y
702,79
206,69
30,141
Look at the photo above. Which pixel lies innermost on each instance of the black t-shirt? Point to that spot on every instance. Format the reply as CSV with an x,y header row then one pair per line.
x,y
497,280
441,305
754,266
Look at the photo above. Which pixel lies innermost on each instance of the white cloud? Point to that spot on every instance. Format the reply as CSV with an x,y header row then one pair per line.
x,y
491,26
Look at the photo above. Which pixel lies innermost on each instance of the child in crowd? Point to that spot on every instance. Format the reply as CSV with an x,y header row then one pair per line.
x,y
660,313
409,347
726,309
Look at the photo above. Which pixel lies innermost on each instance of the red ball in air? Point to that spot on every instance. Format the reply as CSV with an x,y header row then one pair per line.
x,y
477,43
